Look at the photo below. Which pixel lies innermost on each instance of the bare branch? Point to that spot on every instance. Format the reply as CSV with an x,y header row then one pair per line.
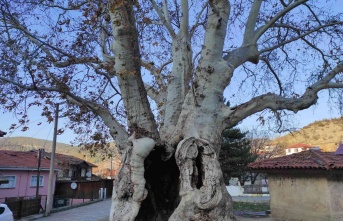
x,y
274,73
283,3
251,23
299,36
276,102
314,14
197,20
272,21
29,88
157,96
73,7
185,17
165,11
156,72
163,18
335,85
72,61
117,131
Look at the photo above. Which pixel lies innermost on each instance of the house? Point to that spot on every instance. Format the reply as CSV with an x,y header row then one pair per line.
x,y
299,147
20,169
305,186
73,168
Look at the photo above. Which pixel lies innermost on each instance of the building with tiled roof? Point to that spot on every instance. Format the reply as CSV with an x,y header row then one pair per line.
x,y
20,169
73,168
305,186
22,160
306,160
299,147
71,160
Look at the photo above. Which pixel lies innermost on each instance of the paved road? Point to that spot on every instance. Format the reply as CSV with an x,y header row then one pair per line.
x,y
251,199
99,211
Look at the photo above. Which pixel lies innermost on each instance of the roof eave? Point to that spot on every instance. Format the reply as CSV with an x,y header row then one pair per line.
x,y
28,168
298,171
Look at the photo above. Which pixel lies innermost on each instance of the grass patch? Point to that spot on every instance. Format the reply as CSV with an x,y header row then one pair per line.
x,y
253,207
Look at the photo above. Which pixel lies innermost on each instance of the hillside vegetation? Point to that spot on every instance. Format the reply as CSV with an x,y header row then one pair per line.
x,y
326,134
28,143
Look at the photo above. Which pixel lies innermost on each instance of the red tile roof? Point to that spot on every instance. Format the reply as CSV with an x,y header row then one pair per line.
x,y
311,159
71,160
22,160
29,160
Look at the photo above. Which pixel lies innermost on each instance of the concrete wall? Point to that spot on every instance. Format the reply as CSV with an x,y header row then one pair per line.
x,y
235,190
302,197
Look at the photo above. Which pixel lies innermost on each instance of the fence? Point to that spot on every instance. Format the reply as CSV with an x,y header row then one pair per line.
x,y
82,192
25,206
64,196
256,189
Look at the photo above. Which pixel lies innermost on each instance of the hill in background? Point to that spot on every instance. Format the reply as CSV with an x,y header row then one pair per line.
x,y
28,143
326,134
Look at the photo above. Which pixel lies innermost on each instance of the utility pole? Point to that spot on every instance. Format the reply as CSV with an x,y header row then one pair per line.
x,y
52,166
38,171
111,166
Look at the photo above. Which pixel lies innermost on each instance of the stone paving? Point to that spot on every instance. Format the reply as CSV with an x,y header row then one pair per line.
x,y
99,211
254,219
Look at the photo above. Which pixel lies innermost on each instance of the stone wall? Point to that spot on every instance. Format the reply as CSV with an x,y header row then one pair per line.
x,y
306,197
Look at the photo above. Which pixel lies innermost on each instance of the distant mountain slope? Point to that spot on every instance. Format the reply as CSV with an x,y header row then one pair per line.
x,y
28,143
325,133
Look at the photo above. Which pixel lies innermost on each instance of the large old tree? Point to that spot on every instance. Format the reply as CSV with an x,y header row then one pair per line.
x,y
151,75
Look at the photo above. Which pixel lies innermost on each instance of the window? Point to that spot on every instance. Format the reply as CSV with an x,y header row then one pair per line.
x,y
10,184
83,172
34,181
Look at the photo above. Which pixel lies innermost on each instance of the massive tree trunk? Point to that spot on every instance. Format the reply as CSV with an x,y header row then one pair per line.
x,y
154,183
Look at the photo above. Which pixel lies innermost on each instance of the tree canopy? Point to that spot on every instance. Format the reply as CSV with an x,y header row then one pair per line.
x,y
286,51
